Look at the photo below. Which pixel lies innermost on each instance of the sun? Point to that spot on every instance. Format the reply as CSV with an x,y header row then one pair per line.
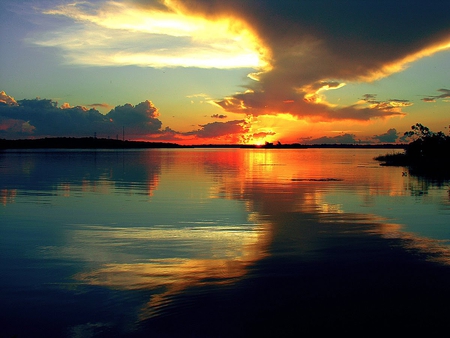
x,y
259,143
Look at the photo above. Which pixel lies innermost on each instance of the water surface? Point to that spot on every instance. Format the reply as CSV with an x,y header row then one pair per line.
x,y
218,242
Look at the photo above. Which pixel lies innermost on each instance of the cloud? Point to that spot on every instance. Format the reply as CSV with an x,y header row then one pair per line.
x,y
340,139
262,135
298,50
391,104
390,136
139,120
42,118
428,99
219,116
262,103
112,33
65,105
231,129
319,45
100,105
445,95
6,99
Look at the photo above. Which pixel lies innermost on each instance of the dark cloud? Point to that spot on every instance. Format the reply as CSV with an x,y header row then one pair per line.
x,y
262,135
100,105
43,117
445,95
369,97
219,116
139,120
318,43
340,139
429,99
385,105
219,129
390,136
405,139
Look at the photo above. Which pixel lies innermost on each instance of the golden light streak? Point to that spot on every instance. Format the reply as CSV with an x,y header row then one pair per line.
x,y
313,93
191,58
402,64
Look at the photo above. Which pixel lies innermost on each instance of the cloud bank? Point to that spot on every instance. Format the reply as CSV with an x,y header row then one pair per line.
x,y
339,139
321,45
390,136
44,118
297,50
228,132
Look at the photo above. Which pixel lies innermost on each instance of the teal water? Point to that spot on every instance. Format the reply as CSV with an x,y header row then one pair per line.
x,y
101,243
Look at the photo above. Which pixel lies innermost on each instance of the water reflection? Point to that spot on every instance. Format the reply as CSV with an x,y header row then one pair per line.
x,y
8,195
69,172
167,221
225,254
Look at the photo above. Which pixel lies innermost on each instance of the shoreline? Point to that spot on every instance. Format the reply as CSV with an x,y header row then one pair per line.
x,y
102,143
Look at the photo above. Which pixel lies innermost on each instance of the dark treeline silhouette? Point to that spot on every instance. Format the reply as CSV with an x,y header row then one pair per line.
x,y
429,152
102,143
333,145
81,143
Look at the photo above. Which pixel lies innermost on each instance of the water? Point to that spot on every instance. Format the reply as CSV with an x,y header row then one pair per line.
x,y
218,242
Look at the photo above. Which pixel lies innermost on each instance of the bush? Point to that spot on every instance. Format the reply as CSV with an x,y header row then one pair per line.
x,y
428,146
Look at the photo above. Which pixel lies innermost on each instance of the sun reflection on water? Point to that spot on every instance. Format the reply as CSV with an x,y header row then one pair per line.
x,y
168,222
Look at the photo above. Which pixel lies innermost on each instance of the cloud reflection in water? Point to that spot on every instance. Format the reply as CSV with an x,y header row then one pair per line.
x,y
168,222
219,255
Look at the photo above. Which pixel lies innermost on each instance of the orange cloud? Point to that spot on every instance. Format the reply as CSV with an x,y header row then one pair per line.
x,y
309,53
297,49
117,34
6,99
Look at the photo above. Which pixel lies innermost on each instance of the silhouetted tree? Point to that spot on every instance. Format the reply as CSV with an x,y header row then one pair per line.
x,y
427,145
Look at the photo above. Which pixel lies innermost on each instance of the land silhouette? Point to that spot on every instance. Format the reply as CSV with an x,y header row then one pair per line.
x,y
80,143
103,143
428,153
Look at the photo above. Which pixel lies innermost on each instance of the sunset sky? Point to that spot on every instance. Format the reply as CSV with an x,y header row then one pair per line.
x,y
235,71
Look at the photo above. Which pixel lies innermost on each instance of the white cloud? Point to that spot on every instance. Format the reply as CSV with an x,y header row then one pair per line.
x,y
117,34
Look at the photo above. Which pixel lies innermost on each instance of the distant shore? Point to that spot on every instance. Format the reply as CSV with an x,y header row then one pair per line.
x,y
103,143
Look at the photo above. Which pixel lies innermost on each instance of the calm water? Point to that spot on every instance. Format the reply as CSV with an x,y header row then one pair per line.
x,y
218,242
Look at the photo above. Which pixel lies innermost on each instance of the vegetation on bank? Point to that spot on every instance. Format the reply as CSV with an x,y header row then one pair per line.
x,y
427,151
81,143
102,143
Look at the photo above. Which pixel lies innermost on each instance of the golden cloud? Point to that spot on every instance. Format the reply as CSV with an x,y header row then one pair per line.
x,y
117,33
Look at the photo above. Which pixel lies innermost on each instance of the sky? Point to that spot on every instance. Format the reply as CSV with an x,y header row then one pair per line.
x,y
218,72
